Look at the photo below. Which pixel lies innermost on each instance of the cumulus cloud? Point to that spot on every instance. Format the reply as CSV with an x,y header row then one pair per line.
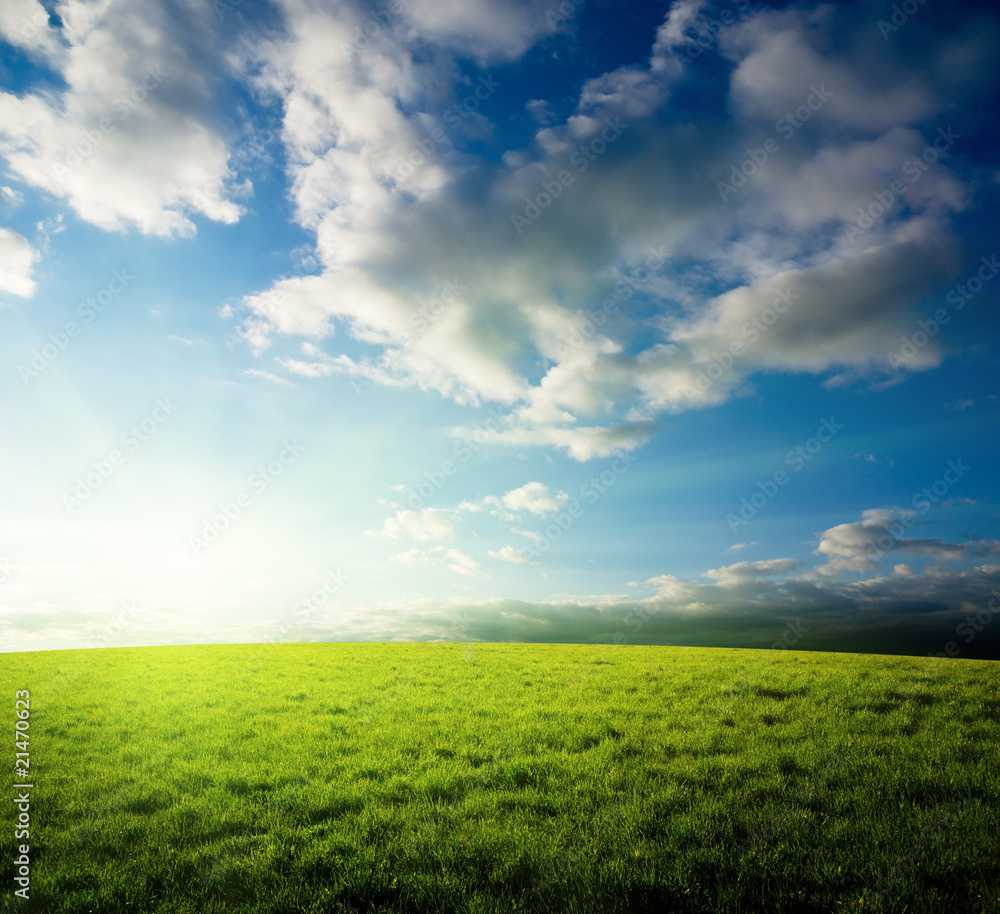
x,y
669,587
25,24
426,524
509,554
417,257
868,96
839,314
858,546
398,215
129,142
534,497
17,259
487,30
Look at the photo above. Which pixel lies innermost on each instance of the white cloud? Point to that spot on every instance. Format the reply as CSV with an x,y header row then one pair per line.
x,y
458,561
9,196
487,30
778,64
130,142
25,24
17,259
742,572
581,443
267,376
453,559
413,557
396,213
845,312
676,30
423,525
630,92
353,187
477,506
535,497
859,545
541,111
839,179
509,554
672,588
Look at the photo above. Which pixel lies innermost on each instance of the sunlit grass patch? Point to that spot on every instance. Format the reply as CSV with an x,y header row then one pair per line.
x,y
425,777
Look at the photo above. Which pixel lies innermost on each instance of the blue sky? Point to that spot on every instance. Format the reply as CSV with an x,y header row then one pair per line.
x,y
672,323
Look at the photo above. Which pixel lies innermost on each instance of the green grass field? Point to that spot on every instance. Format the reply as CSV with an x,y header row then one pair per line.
x,y
499,778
